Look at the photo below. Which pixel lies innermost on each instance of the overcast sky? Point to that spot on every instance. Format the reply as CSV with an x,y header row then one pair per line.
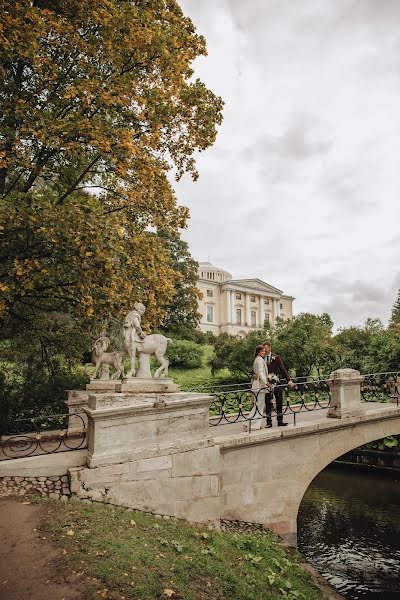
x,y
301,188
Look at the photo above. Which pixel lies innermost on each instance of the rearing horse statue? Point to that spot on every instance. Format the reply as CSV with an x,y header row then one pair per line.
x,y
136,340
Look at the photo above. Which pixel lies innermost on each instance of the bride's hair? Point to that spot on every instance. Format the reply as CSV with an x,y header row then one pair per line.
x,y
258,350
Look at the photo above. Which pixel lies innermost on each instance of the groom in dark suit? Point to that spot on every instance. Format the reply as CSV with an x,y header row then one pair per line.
x,y
276,365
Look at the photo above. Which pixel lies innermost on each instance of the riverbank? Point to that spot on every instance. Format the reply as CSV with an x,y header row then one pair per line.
x,y
118,554
365,459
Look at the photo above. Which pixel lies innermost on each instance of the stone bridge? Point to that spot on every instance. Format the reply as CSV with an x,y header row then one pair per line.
x,y
265,474
156,452
161,456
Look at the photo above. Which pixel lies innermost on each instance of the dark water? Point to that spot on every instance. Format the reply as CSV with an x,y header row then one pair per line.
x,y
349,529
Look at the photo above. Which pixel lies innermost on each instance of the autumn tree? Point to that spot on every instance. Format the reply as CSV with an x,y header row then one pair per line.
x,y
98,104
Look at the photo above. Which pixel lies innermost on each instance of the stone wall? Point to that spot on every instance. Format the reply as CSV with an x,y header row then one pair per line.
x,y
53,486
182,481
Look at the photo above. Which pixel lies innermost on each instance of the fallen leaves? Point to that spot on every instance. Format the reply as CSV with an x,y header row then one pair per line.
x,y
169,593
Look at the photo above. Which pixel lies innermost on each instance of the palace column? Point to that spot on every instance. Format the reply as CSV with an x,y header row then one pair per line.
x,y
261,312
228,306
247,317
232,307
277,308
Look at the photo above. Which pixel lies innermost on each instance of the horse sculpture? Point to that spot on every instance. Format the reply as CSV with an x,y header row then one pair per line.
x,y
135,340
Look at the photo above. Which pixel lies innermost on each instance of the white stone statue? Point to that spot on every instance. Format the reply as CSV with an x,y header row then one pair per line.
x,y
136,340
101,358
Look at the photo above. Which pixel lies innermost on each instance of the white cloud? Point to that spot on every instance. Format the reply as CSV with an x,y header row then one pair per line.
x,y
301,187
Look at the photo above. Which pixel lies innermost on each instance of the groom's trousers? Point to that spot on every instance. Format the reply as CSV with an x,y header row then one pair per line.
x,y
279,404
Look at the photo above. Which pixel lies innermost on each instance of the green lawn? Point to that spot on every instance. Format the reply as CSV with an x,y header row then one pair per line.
x,y
189,379
136,556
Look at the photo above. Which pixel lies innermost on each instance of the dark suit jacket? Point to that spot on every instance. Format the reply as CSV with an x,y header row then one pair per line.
x,y
278,367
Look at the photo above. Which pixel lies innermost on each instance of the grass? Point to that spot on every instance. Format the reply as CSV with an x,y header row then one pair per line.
x,y
190,379
135,556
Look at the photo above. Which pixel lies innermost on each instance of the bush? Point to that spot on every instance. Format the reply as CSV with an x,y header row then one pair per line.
x,y
189,333
31,389
184,354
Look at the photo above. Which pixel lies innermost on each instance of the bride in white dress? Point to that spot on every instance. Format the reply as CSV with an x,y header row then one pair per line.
x,y
258,387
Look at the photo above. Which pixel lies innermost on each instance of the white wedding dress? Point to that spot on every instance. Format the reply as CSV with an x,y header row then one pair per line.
x,y
258,410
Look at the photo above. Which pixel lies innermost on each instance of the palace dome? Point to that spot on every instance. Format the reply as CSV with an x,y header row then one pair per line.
x,y
210,272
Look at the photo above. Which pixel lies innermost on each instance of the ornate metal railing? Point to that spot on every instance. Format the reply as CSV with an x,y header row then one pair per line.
x,y
43,435
381,387
243,405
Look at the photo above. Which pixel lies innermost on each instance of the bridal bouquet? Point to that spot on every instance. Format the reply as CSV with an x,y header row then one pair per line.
x,y
273,378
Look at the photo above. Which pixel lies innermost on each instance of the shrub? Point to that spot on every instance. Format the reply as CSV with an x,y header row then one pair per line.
x,y
31,389
184,354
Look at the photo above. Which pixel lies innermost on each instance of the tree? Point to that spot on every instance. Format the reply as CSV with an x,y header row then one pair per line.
x,y
182,313
369,349
395,318
305,343
238,355
95,97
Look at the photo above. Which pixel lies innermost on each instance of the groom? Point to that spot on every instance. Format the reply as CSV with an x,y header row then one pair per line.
x,y
275,365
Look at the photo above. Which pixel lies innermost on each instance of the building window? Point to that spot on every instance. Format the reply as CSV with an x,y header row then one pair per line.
x,y
281,305
210,314
266,317
209,293
266,301
253,318
252,298
238,316
238,296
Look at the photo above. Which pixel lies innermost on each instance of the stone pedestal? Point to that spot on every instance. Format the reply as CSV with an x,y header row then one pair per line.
x,y
135,385
122,425
345,386
152,451
103,385
143,371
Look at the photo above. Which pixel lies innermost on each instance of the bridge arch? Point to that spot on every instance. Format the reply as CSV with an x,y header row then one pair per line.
x,y
264,477
371,434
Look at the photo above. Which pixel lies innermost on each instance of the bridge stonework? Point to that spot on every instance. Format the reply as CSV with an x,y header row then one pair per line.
x,y
157,453
265,475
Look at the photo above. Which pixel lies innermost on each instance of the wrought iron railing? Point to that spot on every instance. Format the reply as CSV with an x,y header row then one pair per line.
x,y
242,404
381,387
43,435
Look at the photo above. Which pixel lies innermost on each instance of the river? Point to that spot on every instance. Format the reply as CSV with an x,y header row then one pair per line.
x,y
349,530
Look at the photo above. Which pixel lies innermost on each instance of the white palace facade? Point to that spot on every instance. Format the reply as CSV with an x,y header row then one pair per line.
x,y
238,305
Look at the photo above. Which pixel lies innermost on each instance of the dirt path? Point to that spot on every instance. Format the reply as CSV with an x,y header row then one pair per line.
x,y
27,562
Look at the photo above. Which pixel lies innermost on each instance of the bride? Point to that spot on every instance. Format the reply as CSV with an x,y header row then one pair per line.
x,y
258,388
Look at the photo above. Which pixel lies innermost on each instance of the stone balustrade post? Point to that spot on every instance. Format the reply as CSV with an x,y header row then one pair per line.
x,y
345,386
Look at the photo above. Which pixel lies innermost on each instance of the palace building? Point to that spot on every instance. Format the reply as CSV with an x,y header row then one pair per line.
x,y
238,305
